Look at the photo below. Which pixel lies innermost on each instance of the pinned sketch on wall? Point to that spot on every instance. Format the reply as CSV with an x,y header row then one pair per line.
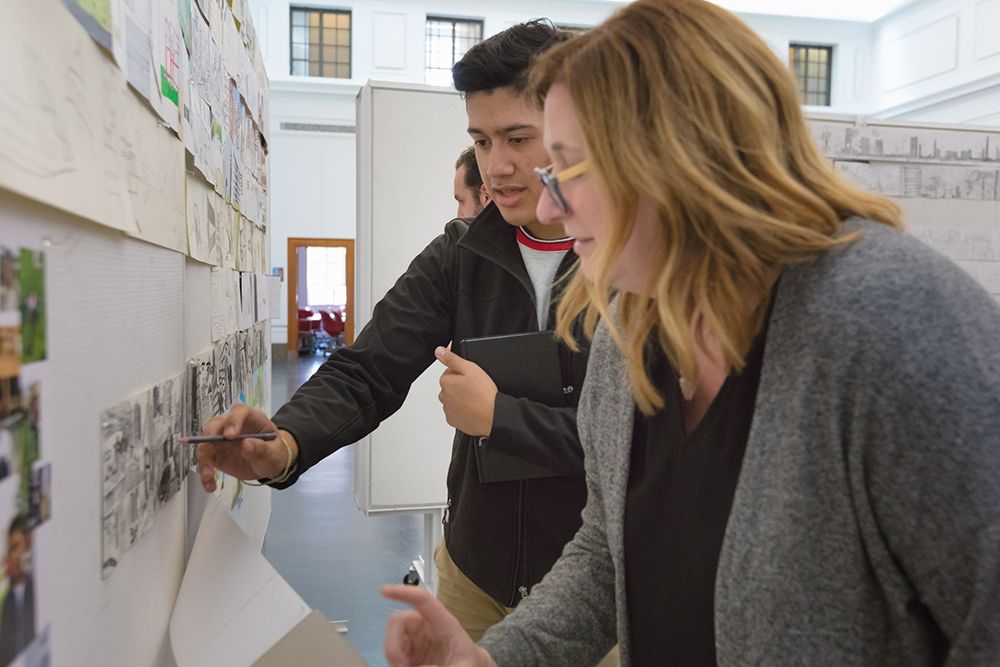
x,y
143,465
137,16
31,281
154,161
248,301
226,317
202,226
227,233
95,17
263,291
58,116
169,62
911,144
224,361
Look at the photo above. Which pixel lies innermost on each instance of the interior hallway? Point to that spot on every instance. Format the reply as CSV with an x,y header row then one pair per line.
x,y
327,550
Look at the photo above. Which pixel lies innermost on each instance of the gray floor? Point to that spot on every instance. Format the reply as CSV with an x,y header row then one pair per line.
x,y
330,553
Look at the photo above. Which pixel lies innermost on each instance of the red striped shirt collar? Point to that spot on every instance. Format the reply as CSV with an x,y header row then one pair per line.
x,y
529,241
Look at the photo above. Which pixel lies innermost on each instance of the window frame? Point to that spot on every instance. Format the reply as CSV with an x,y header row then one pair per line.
x,y
335,65
807,49
454,20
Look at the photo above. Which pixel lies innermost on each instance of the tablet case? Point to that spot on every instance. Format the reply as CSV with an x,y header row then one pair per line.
x,y
524,365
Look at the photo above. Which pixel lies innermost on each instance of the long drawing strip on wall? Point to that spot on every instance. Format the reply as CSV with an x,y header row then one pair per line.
x,y
947,181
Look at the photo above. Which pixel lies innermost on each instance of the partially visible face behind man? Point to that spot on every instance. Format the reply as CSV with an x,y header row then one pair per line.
x,y
469,203
590,218
507,132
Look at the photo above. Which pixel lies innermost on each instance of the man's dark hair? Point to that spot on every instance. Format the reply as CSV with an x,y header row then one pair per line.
x,y
503,60
473,180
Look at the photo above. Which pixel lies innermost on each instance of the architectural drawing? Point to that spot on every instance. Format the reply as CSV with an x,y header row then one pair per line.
x,y
909,144
143,465
927,181
946,180
224,360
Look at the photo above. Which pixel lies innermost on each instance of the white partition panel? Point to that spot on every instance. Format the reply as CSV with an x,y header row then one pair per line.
x,y
409,137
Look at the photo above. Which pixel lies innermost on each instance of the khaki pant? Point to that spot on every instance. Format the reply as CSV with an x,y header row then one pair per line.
x,y
476,610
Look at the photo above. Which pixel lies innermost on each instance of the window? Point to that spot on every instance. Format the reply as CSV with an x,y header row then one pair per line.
x,y
321,42
812,66
326,276
447,41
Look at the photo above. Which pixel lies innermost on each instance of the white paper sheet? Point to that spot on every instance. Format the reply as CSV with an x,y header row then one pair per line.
x,y
138,27
232,606
169,62
58,116
274,296
154,163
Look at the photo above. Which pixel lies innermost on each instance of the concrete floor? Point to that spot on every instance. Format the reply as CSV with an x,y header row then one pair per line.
x,y
327,550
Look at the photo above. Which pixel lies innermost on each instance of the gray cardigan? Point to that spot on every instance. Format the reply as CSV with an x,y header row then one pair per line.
x,y
865,528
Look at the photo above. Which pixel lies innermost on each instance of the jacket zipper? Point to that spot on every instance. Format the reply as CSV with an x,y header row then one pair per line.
x,y
518,546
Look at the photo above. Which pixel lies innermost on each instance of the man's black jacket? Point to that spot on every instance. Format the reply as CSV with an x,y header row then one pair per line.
x,y
503,535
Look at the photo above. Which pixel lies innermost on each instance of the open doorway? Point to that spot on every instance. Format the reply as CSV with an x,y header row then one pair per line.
x,y
320,294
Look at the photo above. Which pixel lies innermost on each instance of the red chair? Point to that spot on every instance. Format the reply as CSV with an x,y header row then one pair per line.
x,y
308,331
333,325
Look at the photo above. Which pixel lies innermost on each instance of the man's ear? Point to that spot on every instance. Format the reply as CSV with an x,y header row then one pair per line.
x,y
484,195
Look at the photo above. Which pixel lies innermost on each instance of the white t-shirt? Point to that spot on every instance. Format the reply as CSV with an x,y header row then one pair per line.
x,y
541,259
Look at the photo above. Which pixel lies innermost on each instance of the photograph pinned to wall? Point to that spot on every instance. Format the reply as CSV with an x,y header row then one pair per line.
x,y
24,637
24,425
9,281
31,276
11,406
23,623
40,504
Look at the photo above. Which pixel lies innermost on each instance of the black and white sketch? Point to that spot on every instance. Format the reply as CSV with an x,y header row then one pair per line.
x,y
142,463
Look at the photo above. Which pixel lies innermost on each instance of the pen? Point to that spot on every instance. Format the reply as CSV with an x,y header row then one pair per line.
x,y
195,439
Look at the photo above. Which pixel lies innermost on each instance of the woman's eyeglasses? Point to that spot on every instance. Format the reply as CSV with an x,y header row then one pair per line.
x,y
551,181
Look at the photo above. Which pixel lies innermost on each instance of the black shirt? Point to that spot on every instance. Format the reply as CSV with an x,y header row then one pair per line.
x,y
680,491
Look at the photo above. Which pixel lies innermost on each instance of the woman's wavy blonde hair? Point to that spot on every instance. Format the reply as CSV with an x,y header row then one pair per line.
x,y
681,102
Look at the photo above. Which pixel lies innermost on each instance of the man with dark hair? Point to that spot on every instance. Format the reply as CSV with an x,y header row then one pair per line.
x,y
470,191
491,277
17,612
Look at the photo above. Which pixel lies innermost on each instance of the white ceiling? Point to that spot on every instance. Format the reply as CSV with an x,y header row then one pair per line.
x,y
844,10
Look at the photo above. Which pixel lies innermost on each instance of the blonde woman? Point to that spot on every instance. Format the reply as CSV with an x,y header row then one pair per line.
x,y
791,422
